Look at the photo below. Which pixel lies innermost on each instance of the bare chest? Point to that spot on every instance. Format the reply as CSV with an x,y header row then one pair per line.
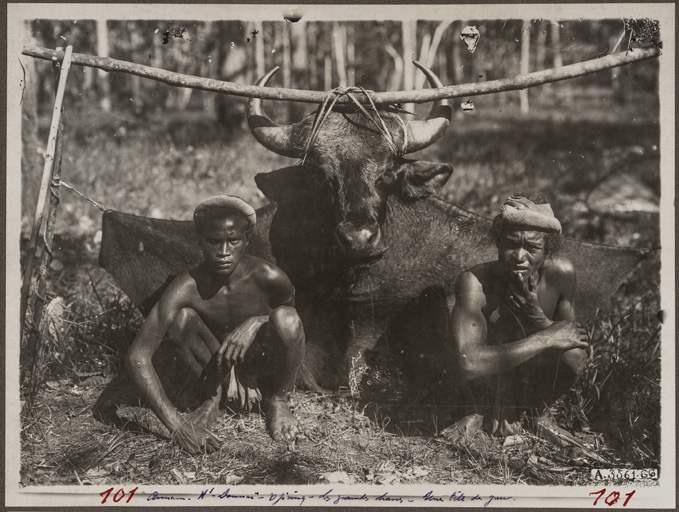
x,y
507,325
228,307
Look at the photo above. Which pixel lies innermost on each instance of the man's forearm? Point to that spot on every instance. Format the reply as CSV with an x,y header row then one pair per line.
x,y
151,389
489,360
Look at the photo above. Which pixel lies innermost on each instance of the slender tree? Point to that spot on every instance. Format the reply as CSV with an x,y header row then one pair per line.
x,y
338,38
396,76
408,35
312,34
351,54
102,76
525,62
456,54
259,48
429,50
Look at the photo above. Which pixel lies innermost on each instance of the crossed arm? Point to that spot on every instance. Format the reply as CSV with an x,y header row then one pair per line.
x,y
476,358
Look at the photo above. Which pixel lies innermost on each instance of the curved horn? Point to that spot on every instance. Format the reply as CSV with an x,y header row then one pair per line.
x,y
422,133
272,136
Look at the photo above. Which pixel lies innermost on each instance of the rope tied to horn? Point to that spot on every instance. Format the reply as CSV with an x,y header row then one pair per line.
x,y
328,104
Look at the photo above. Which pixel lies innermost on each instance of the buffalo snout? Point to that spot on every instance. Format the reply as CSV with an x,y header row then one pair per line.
x,y
361,241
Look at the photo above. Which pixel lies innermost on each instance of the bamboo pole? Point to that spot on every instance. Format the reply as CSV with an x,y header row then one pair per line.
x,y
36,335
382,98
46,176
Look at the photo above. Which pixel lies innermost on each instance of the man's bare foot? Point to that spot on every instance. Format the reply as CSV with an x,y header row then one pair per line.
x,y
463,429
280,422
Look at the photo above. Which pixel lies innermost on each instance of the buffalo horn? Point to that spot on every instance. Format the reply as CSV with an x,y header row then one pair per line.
x,y
422,133
272,136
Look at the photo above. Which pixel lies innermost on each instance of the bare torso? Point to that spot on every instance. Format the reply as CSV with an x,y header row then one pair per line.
x,y
503,325
224,305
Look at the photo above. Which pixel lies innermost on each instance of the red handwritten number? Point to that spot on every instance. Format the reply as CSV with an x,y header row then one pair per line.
x,y
615,495
629,496
135,490
107,492
119,495
600,493
612,498
117,498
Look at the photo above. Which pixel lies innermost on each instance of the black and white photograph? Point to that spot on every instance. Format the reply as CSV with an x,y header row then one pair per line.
x,y
340,255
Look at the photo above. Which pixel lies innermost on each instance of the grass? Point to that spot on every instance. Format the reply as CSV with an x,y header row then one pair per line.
x,y
164,167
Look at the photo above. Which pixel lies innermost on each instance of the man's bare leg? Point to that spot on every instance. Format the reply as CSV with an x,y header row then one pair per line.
x,y
194,344
551,378
286,339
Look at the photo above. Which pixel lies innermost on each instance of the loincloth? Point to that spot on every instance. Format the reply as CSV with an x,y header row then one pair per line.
x,y
240,386
241,389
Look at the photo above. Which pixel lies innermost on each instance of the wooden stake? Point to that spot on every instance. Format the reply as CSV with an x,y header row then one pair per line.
x,y
36,335
46,176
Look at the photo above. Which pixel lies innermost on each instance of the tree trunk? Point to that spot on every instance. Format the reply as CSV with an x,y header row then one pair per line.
x,y
259,49
456,56
312,33
541,46
565,87
525,62
300,64
556,44
287,57
351,55
443,65
409,35
338,38
102,76
430,46
395,81
300,56
327,73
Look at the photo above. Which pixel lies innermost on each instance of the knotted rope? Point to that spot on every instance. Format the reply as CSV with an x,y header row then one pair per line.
x,y
329,103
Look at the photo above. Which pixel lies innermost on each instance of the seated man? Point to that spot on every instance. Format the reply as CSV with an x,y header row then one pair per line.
x,y
231,315
513,332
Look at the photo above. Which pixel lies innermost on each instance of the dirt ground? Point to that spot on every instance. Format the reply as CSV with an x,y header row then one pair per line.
x,y
342,442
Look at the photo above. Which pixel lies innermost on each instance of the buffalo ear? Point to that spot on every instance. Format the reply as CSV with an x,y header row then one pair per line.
x,y
284,184
415,180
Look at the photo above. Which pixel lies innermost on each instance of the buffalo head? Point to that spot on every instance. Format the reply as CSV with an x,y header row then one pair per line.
x,y
354,160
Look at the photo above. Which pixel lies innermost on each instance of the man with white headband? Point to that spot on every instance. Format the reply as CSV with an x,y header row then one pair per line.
x,y
513,327
231,322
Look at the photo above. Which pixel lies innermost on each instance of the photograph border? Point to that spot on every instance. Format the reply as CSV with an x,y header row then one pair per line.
x,y
661,496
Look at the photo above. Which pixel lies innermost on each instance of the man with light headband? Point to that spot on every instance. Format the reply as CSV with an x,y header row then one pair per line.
x,y
231,322
513,327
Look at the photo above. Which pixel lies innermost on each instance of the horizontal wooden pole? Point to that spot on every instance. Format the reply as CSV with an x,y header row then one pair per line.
x,y
381,98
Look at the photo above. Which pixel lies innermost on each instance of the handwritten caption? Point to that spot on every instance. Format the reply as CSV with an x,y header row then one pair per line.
x,y
328,497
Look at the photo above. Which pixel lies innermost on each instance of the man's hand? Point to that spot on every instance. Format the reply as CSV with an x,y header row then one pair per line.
x,y
238,341
564,335
195,438
523,299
